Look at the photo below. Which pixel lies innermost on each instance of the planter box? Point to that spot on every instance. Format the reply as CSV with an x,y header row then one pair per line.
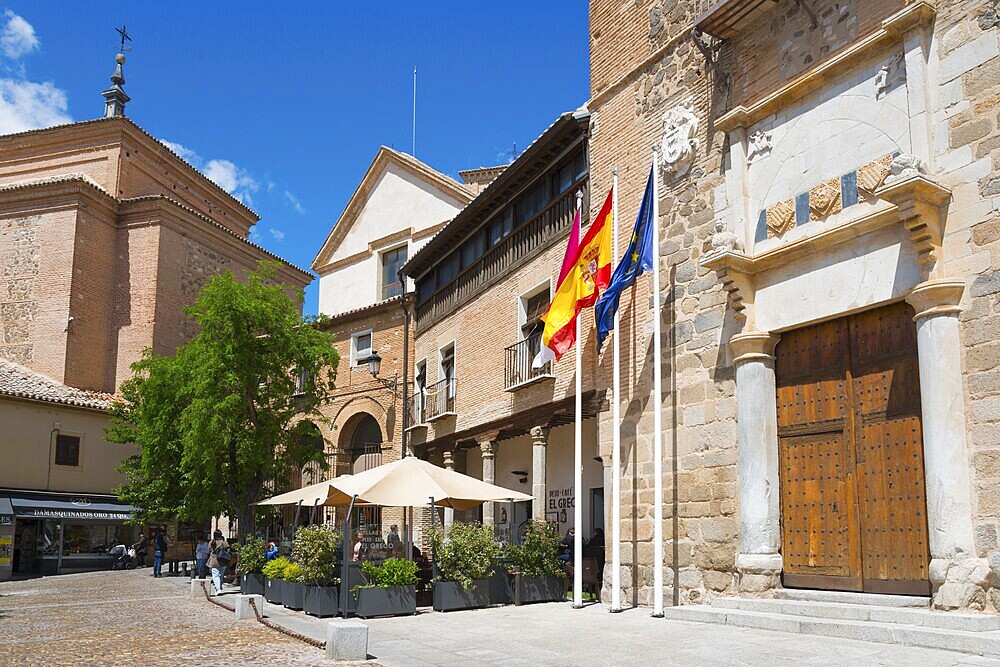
x,y
449,595
392,601
252,583
293,594
501,586
322,600
539,589
272,590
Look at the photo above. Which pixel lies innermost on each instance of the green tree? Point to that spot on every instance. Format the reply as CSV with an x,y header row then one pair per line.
x,y
222,423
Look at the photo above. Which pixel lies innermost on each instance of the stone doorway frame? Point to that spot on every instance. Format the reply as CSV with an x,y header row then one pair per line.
x,y
959,578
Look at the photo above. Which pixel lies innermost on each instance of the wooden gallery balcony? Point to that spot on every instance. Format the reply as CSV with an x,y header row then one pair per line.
x,y
722,18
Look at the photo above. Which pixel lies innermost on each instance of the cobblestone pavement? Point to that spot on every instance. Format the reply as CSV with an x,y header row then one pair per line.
x,y
124,618
129,618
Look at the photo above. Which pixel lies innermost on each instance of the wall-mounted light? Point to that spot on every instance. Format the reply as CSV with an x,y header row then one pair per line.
x,y
374,366
521,474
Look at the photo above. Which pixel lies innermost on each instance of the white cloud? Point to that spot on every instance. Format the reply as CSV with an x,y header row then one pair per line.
x,y
235,180
25,105
277,234
17,37
255,236
183,151
294,202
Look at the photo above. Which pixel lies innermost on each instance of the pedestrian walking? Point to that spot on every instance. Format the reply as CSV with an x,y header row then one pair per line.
x,y
201,556
140,550
160,545
219,555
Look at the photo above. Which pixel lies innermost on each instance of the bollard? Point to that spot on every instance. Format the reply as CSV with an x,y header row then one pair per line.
x,y
243,608
346,640
196,591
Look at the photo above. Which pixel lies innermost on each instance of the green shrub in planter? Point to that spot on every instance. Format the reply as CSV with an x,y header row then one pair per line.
x,y
466,555
390,590
537,555
274,571
393,572
252,556
540,575
293,591
250,562
315,550
292,573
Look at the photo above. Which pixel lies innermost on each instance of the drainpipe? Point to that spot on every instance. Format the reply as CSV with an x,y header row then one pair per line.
x,y
406,365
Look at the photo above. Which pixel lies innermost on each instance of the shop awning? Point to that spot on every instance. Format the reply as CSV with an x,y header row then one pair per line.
x,y
51,506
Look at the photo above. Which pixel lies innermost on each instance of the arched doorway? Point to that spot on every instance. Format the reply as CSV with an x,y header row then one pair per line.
x,y
365,446
312,439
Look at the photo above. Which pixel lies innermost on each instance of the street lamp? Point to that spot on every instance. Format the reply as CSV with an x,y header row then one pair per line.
x,y
374,366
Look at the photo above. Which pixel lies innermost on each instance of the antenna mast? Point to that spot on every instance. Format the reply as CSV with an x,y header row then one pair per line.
x,y
413,150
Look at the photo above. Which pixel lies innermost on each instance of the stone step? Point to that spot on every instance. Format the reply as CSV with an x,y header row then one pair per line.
x,y
857,612
985,643
848,597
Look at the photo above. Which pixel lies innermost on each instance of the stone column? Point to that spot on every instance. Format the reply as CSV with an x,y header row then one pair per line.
x,y
449,513
539,445
489,450
959,577
758,561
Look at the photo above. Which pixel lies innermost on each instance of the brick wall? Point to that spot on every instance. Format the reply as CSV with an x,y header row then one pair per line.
x,y
481,329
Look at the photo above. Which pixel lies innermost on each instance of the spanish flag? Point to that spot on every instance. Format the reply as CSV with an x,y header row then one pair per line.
x,y
581,283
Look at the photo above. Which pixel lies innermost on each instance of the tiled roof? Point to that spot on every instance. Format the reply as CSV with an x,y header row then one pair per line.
x,y
21,382
61,178
129,121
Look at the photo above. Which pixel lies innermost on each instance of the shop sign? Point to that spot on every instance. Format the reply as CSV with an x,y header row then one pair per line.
x,y
561,503
74,514
6,519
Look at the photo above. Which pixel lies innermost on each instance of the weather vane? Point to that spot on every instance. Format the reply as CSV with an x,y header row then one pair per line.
x,y
125,37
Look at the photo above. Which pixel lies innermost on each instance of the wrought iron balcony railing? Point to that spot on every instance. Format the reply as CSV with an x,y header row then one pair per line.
x,y
519,357
440,399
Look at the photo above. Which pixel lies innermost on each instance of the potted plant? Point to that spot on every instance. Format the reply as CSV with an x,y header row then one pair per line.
x,y
293,591
315,549
538,574
250,566
273,571
463,562
390,591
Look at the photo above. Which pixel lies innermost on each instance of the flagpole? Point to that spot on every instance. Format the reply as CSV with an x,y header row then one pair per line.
x,y
657,407
578,460
616,482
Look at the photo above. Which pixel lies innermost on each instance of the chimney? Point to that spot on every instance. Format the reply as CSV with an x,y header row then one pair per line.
x,y
114,97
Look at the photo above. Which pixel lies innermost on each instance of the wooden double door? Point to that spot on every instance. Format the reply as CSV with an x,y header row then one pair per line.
x,y
851,469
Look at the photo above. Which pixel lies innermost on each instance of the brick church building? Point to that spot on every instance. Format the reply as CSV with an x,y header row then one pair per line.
x,y
105,236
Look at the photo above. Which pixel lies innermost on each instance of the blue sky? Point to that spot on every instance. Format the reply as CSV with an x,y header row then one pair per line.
x,y
285,105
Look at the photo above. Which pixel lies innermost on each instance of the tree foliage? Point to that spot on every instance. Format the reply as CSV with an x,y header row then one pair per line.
x,y
222,422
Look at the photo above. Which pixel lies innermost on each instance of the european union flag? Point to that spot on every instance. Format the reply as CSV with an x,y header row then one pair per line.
x,y
638,258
